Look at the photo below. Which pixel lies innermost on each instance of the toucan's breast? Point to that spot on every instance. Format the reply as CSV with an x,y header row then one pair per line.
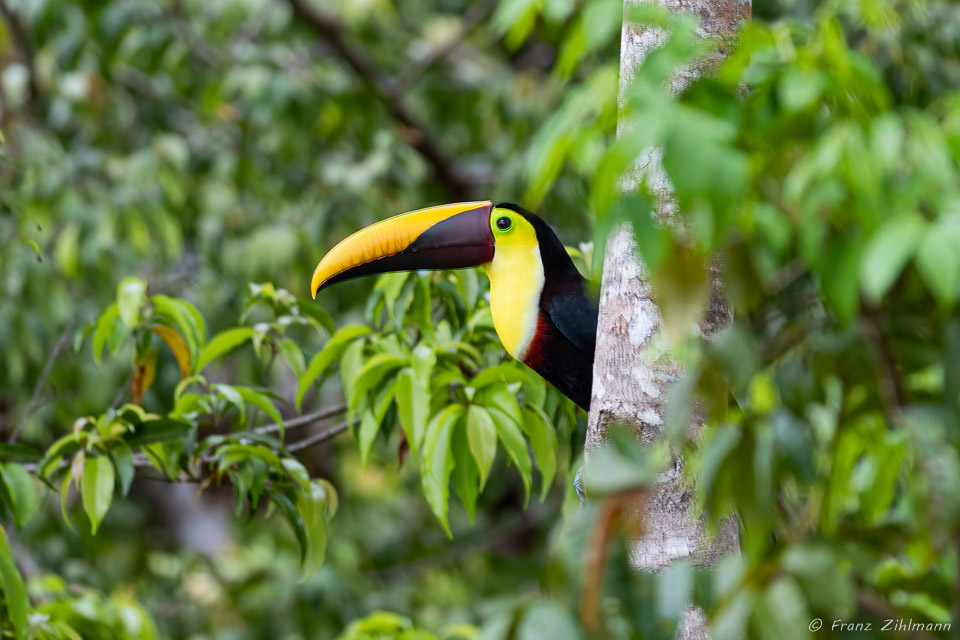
x,y
516,282
560,362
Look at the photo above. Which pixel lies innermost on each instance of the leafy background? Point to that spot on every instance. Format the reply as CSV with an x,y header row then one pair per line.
x,y
172,172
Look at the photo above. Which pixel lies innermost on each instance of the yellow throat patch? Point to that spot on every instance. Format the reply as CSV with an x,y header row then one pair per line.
x,y
516,280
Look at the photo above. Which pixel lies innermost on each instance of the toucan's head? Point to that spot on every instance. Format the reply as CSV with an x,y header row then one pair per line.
x,y
450,236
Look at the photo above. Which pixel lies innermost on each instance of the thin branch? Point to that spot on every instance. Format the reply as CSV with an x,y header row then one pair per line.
x,y
304,420
331,31
42,380
472,19
141,461
891,388
317,438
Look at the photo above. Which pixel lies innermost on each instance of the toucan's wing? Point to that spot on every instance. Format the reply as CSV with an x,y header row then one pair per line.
x,y
576,317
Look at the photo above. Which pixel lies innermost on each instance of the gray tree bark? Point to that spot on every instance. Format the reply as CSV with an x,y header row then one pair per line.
x,y
634,369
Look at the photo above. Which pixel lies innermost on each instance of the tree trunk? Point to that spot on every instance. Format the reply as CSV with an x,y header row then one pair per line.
x,y
633,368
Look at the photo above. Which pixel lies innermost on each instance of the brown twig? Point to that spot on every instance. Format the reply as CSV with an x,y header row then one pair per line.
x,y
892,392
41,381
317,438
331,30
306,419
607,524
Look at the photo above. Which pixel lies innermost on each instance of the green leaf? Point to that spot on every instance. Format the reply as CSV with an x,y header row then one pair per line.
x,y
499,397
153,431
366,434
291,352
350,363
186,404
185,316
799,88
230,454
104,330
232,395
424,359
22,491
131,299
296,471
939,260
548,619
543,440
196,320
465,473
720,445
787,607
184,384
369,376
437,461
314,505
674,589
14,591
122,458
64,492
165,457
384,399
413,407
887,252
321,318
262,402
482,439
328,355
222,344
508,372
96,489
468,285
511,436
290,513
18,453
62,447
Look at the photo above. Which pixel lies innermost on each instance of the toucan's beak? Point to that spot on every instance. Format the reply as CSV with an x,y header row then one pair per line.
x,y
451,236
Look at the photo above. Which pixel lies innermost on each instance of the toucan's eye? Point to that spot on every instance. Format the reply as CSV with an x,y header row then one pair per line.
x,y
504,223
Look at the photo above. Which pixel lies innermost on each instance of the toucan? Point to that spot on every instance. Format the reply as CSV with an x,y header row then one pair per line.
x,y
539,302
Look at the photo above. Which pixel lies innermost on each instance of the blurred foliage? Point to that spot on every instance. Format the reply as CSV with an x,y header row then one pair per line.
x,y
820,160
158,158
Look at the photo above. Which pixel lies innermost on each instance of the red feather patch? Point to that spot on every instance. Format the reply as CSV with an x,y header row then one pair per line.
x,y
535,357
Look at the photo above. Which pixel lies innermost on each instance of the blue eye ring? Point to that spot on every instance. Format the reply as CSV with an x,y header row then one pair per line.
x,y
504,223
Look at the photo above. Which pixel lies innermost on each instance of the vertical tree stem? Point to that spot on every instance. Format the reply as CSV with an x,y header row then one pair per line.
x,y
634,369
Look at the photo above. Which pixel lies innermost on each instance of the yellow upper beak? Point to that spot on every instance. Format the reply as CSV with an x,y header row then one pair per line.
x,y
460,236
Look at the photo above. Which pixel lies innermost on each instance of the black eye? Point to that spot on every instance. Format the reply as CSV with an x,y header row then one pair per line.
x,y
504,223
